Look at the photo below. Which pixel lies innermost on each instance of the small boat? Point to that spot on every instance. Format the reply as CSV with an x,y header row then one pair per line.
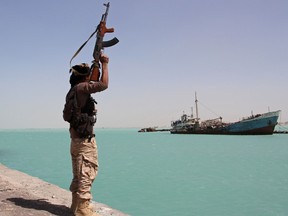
x,y
149,129
260,124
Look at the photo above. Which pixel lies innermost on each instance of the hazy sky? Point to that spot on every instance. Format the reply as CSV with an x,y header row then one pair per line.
x,y
234,53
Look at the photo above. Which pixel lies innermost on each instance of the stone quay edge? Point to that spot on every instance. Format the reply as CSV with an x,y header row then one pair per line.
x,y
23,195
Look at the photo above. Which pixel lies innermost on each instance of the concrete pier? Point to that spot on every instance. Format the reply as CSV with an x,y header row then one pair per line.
x,y
23,195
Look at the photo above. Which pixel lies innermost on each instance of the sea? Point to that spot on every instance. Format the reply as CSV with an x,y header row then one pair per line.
x,y
163,174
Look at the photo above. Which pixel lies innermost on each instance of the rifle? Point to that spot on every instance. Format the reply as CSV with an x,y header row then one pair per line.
x,y
100,44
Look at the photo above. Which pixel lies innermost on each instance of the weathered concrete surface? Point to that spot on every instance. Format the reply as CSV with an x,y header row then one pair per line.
x,y
24,195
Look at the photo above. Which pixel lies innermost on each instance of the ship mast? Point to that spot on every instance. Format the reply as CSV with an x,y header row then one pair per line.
x,y
191,112
196,105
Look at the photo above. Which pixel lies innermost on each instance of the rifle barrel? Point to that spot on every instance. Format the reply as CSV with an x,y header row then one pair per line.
x,y
106,12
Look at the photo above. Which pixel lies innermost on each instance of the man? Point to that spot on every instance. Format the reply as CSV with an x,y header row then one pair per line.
x,y
83,147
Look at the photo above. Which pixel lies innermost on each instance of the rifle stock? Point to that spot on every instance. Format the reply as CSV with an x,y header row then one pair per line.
x,y
95,74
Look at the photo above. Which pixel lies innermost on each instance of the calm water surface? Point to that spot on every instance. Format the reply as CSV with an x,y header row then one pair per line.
x,y
163,174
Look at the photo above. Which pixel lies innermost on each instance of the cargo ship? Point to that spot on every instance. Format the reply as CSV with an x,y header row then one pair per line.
x,y
260,124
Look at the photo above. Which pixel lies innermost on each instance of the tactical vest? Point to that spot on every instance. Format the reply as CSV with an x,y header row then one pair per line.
x,y
81,119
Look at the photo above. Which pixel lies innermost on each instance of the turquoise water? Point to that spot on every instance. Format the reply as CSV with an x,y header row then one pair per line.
x,y
163,174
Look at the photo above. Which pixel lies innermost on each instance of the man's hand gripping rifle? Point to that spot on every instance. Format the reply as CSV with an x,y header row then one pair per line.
x,y
100,44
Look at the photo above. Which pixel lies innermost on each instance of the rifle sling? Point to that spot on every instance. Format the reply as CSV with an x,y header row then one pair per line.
x,y
81,47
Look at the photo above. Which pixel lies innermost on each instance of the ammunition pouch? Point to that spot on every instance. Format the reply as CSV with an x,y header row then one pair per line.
x,y
84,119
83,124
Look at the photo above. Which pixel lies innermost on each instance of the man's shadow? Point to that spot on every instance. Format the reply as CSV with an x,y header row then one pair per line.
x,y
41,204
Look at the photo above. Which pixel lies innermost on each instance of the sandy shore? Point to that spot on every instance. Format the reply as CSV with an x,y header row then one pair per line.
x,y
21,194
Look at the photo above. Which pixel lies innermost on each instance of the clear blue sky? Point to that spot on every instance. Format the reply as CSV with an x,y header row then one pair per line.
x,y
234,53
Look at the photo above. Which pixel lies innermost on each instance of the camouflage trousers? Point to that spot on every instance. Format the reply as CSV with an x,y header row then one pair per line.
x,y
84,155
